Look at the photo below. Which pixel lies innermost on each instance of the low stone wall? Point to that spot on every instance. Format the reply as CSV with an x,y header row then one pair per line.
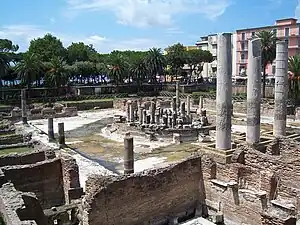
x,y
22,159
267,109
151,197
92,104
11,139
45,179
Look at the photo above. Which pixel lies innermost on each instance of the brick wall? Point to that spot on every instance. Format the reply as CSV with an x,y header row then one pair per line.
x,y
150,197
43,178
22,159
70,171
90,105
243,190
19,208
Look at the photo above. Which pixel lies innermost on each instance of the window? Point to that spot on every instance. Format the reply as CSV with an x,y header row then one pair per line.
x,y
243,45
243,36
298,40
253,34
275,32
287,32
273,69
242,56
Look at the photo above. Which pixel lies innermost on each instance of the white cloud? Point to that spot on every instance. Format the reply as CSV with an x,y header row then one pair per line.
x,y
143,13
23,34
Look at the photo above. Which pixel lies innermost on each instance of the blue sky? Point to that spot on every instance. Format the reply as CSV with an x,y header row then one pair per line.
x,y
135,24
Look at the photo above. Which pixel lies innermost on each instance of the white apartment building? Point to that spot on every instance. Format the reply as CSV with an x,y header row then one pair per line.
x,y
210,43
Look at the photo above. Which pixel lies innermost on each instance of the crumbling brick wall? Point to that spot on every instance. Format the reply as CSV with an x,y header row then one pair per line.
x,y
247,187
19,208
45,179
150,197
22,159
70,171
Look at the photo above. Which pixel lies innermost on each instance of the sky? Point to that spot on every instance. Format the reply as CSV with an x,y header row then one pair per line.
x,y
135,24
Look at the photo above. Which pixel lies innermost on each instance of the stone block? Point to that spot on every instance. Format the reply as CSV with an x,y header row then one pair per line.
x,y
177,138
48,112
71,111
58,107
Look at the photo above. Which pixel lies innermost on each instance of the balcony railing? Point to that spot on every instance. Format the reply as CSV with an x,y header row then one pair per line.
x,y
242,61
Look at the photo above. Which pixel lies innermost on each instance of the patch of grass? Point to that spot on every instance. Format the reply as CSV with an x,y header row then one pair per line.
x,y
14,150
4,106
90,100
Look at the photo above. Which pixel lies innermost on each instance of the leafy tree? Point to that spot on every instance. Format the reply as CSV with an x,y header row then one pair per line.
x,y
29,68
268,45
138,69
195,59
58,74
155,62
294,68
7,55
80,52
102,70
118,67
176,58
47,48
7,46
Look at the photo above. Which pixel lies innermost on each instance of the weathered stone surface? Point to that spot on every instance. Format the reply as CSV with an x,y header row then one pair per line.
x,y
261,177
19,208
48,111
142,198
71,111
43,178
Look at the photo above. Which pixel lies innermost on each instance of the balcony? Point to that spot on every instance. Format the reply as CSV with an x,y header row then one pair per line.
x,y
202,41
243,61
244,40
293,46
243,50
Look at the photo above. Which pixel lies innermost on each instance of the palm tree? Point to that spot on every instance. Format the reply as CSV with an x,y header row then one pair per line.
x,y
156,62
138,70
102,70
268,45
4,65
58,74
294,69
29,68
118,68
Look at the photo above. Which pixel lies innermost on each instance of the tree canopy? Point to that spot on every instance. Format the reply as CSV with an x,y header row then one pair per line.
x,y
47,47
48,63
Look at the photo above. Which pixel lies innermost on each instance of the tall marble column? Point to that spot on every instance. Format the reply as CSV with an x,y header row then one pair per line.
x,y
253,91
281,89
224,92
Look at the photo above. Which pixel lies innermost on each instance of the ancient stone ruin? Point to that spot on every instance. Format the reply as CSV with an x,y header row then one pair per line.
x,y
250,178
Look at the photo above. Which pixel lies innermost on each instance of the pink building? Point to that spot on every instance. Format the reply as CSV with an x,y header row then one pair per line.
x,y
285,29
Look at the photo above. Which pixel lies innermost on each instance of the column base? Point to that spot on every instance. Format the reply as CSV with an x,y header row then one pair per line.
x,y
24,120
128,171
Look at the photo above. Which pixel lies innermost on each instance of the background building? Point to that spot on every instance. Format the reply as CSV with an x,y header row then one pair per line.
x,y
284,29
210,43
